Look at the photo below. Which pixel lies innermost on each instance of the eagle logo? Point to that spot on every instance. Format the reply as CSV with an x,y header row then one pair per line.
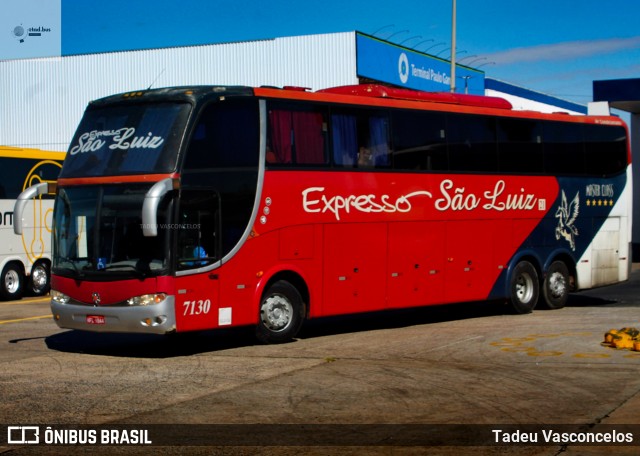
x,y
567,214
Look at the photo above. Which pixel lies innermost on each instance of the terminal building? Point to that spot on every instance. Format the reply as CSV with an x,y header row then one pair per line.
x,y
624,94
44,98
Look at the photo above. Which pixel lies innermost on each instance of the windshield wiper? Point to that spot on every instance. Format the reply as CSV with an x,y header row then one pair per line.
x,y
140,272
72,262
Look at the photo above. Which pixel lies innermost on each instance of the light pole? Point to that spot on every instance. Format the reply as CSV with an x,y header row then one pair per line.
x,y
466,83
453,46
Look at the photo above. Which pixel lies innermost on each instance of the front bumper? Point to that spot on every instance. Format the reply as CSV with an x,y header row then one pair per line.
x,y
151,319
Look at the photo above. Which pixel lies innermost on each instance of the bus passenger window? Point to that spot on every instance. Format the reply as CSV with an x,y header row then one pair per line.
x,y
360,139
378,142
296,137
606,149
345,139
520,146
472,143
564,148
419,141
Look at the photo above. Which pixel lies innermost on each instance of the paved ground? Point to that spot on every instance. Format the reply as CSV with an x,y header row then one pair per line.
x,y
471,364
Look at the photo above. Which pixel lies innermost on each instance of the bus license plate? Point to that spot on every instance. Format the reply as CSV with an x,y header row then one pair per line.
x,y
95,320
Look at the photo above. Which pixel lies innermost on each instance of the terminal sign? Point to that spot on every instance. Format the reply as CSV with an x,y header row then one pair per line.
x,y
404,67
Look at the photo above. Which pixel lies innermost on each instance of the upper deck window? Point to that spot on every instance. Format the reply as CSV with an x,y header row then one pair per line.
x,y
127,139
360,138
297,136
226,135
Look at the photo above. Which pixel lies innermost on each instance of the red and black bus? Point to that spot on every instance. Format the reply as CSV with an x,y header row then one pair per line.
x,y
194,208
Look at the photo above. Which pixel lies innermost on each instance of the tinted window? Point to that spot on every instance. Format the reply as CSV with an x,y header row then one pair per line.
x,y
605,149
200,233
225,136
419,141
472,143
222,158
520,146
16,174
127,139
563,148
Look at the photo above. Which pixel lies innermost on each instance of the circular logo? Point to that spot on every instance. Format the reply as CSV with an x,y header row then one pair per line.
x,y
403,68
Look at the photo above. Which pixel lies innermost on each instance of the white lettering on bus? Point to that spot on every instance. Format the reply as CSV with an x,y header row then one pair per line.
x,y
453,198
122,138
512,201
138,142
605,190
459,200
361,203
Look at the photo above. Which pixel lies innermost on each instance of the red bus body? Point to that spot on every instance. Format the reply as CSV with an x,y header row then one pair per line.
x,y
349,240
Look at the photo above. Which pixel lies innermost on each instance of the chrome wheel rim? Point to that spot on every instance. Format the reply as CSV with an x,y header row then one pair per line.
x,y
557,285
524,288
276,313
12,281
39,278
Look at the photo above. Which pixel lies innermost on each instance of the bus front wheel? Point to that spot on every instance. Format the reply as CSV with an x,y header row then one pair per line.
x,y
39,280
282,313
524,288
555,288
11,282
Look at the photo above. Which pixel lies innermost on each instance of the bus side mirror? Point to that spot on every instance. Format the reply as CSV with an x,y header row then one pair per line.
x,y
150,205
18,209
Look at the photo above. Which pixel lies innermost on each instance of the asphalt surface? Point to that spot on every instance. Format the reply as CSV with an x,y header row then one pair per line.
x,y
437,380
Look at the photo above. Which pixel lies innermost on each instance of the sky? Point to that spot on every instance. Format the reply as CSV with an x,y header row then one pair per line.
x,y
557,47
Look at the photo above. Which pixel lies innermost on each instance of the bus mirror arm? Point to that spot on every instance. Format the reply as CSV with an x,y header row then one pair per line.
x,y
22,200
150,205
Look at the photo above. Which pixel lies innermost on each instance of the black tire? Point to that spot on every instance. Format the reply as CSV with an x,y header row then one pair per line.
x,y
39,282
282,313
11,282
524,288
555,288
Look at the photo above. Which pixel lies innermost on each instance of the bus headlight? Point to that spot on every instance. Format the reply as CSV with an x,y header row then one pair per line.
x,y
147,300
59,298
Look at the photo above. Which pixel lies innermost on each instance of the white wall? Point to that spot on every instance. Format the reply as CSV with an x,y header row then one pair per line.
x,y
525,104
43,99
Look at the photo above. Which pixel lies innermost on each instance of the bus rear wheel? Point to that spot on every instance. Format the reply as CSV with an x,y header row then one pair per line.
x,y
555,288
282,313
524,288
39,280
11,282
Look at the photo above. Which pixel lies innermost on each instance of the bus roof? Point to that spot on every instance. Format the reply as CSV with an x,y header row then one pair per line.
x,y
380,91
367,94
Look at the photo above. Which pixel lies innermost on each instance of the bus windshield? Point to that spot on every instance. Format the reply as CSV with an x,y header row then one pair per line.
x,y
98,233
127,139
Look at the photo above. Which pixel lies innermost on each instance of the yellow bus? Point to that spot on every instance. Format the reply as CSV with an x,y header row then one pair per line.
x,y
25,260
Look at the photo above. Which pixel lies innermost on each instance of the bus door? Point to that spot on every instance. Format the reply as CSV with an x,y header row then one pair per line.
x,y
355,256
416,254
198,250
609,252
